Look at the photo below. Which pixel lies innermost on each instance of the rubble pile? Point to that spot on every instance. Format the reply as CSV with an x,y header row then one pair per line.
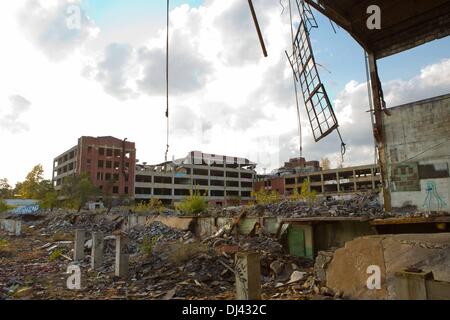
x,y
63,222
158,230
362,205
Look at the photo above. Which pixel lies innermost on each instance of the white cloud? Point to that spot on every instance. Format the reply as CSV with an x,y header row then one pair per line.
x,y
11,119
352,104
48,26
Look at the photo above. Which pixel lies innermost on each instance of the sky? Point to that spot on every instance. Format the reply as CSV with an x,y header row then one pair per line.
x,y
107,78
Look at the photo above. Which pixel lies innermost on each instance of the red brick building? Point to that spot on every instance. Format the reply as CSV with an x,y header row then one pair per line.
x,y
269,184
110,162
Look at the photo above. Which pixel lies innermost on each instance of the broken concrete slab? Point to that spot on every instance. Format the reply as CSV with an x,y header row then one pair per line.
x,y
122,257
97,250
348,271
321,264
248,276
78,254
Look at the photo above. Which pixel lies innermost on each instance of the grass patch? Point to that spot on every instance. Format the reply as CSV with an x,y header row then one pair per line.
x,y
4,243
5,250
148,244
151,206
61,236
265,197
55,255
195,203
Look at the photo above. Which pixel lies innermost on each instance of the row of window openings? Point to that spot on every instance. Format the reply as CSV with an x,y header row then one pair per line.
x,y
216,183
148,179
109,152
65,169
65,158
290,181
101,176
108,164
115,189
168,192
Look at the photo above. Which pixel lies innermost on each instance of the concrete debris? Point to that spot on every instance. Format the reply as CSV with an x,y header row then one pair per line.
x,y
320,266
361,205
164,263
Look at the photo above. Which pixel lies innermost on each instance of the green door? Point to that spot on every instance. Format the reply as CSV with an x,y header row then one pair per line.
x,y
296,241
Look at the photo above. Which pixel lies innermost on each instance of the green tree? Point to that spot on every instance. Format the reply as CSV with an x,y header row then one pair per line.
x,y
3,206
6,190
77,190
195,203
31,187
44,187
309,196
49,200
107,194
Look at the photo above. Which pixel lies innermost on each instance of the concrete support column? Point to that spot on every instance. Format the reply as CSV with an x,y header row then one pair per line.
x,y
80,237
338,181
248,276
322,183
18,228
373,178
97,250
122,257
378,130
355,188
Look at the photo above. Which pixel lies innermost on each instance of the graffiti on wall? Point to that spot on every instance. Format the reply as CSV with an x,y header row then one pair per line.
x,y
432,196
26,209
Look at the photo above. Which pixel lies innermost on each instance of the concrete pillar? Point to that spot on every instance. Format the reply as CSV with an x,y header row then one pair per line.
x,y
121,265
322,184
78,254
97,250
18,228
372,171
338,182
379,129
248,276
355,188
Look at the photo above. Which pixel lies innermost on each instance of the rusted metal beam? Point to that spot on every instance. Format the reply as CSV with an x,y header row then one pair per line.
x,y
378,129
258,29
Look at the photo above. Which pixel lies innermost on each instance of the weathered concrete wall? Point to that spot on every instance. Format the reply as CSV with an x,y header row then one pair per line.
x,y
347,272
417,135
182,223
13,227
204,226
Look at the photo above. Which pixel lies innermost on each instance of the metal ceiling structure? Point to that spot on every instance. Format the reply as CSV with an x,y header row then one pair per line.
x,y
405,24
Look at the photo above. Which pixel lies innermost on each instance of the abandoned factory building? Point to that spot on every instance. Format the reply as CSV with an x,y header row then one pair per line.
x,y
220,178
109,162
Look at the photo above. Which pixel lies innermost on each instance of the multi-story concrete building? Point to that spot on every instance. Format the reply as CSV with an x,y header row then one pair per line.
x,y
223,179
328,182
337,181
110,162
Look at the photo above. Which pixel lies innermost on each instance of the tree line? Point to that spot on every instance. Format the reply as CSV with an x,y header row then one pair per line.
x,y
75,191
